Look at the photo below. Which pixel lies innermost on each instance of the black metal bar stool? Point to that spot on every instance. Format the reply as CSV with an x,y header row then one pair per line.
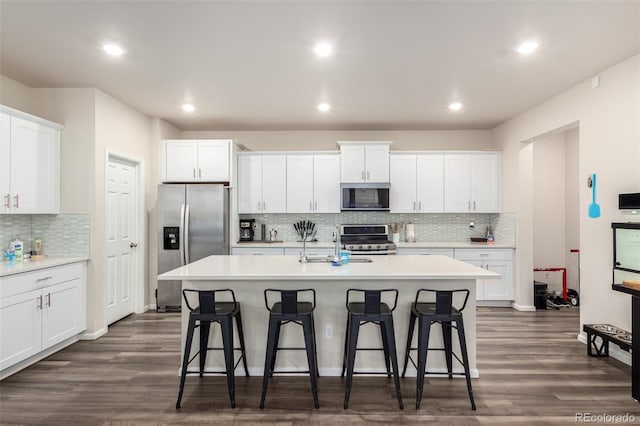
x,y
209,311
443,312
372,310
290,310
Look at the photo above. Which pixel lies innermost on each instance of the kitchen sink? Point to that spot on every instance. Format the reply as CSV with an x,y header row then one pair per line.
x,y
325,259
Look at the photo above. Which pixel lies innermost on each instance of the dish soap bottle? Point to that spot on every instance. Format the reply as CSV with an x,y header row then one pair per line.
x,y
490,238
18,248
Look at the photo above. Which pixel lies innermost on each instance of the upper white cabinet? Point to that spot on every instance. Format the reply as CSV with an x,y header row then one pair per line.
x,y
417,183
29,163
196,160
472,183
313,183
262,183
364,161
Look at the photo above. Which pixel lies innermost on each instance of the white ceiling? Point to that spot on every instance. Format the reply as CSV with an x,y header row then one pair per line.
x,y
249,65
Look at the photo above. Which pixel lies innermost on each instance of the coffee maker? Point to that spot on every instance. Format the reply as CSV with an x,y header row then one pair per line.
x,y
246,229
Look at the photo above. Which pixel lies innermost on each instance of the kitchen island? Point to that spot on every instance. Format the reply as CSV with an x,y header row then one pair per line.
x,y
248,276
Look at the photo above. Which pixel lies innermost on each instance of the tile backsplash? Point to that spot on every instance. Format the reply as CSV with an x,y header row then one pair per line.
x,y
61,235
441,227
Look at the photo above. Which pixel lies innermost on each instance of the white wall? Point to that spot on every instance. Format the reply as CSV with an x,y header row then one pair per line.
x,y
609,146
327,140
18,96
572,181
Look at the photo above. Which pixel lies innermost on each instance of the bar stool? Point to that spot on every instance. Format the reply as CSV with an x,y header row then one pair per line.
x,y
444,313
290,310
211,311
372,310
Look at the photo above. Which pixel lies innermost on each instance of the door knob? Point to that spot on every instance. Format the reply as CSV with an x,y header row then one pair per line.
x,y
133,245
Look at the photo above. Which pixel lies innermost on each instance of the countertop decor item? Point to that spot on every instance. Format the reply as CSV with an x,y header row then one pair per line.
x,y
37,244
306,230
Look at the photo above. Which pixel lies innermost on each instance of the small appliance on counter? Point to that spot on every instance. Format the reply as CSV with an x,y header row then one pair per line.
x,y
246,229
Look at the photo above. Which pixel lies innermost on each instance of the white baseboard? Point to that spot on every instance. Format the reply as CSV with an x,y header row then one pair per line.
x,y
614,350
94,335
523,308
150,307
335,372
37,357
494,303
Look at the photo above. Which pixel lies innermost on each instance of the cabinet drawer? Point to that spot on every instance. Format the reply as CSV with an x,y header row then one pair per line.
x,y
27,281
426,251
484,254
258,251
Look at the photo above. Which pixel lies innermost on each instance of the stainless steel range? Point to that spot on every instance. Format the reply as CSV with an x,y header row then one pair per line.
x,y
366,239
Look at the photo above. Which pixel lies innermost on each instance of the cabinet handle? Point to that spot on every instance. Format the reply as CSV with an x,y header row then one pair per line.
x,y
419,205
414,206
468,205
484,254
474,205
17,198
311,206
368,177
7,201
362,174
264,206
258,205
200,173
316,206
194,172
49,299
44,278
40,302
257,254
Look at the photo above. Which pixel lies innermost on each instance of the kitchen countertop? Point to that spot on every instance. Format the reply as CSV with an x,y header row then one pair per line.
x,y
401,245
17,267
287,268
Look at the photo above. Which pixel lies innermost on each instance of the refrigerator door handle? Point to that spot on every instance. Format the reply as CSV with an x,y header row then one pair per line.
x,y
181,235
186,235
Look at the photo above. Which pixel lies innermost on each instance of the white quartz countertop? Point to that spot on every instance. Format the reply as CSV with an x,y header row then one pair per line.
x,y
258,268
401,245
17,267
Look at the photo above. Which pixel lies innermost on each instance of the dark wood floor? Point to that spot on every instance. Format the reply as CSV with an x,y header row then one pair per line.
x,y
533,371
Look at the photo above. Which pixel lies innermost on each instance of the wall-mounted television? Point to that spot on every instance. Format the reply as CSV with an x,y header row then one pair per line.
x,y
629,201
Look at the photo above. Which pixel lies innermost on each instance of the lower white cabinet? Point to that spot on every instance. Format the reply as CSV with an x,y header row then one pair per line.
x,y
310,251
425,251
495,260
40,309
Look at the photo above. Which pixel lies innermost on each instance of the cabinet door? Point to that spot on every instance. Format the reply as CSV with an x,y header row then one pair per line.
x,y
274,184
249,184
500,288
213,161
181,161
35,167
430,183
299,183
326,184
457,191
5,163
352,163
60,319
377,163
485,183
479,283
403,184
20,327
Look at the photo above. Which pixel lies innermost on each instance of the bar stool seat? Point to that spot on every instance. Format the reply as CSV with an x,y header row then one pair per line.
x,y
210,311
372,310
441,311
290,310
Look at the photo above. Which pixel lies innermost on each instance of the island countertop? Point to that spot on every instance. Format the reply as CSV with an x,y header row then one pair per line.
x,y
263,268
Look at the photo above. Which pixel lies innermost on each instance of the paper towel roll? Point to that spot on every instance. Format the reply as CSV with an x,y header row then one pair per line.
x,y
410,233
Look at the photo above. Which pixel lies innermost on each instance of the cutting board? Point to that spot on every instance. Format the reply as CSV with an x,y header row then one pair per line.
x,y
633,284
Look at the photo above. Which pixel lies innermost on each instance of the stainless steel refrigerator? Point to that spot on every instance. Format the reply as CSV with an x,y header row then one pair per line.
x,y
193,223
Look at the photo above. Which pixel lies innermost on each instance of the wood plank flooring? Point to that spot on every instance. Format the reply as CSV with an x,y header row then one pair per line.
x,y
533,371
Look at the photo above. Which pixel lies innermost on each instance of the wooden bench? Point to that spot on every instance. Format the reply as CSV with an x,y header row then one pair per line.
x,y
594,331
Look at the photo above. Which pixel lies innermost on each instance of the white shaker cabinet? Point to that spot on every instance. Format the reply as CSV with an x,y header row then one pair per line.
x,y
29,163
40,309
417,183
262,182
364,162
495,260
472,183
313,184
187,160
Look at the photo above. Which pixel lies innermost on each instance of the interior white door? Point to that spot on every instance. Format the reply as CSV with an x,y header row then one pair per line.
x,y
403,183
326,184
430,178
299,183
120,222
213,160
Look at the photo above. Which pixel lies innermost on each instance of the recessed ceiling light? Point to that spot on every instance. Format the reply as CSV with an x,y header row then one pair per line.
x,y
113,49
324,107
323,49
528,47
188,107
455,106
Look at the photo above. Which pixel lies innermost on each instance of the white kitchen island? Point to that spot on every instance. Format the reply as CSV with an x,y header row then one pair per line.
x,y
248,276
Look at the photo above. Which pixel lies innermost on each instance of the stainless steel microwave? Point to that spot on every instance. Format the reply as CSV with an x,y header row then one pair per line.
x,y
365,196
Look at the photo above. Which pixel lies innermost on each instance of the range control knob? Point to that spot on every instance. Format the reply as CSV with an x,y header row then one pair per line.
x,y
369,246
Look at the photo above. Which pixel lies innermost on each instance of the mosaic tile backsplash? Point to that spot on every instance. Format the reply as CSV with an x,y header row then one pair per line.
x,y
449,227
61,235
